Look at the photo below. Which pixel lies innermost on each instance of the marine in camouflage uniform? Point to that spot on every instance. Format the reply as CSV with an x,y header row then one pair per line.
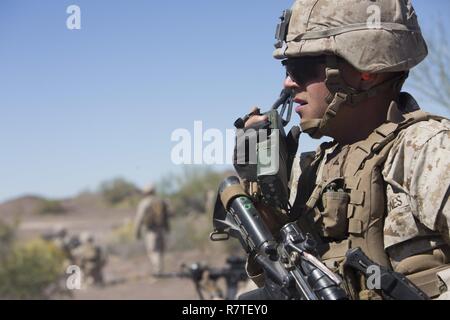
x,y
385,190
61,239
152,224
90,258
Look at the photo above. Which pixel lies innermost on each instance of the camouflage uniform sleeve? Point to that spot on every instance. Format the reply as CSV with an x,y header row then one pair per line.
x,y
140,215
417,173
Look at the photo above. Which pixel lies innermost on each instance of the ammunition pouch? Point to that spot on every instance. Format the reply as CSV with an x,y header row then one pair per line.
x,y
334,222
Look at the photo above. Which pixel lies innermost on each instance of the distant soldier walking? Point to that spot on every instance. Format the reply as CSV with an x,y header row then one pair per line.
x,y
152,224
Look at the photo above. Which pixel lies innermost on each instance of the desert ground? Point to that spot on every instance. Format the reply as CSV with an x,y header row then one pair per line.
x,y
127,273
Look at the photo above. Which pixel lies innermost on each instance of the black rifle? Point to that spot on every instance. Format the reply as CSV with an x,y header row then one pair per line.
x,y
291,266
392,285
233,274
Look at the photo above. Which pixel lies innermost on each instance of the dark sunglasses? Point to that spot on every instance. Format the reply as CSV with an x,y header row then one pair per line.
x,y
303,70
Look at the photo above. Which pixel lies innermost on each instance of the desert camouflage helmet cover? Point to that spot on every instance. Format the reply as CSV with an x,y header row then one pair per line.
x,y
349,29
86,237
149,189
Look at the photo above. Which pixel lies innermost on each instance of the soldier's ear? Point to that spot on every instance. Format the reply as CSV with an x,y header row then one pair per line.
x,y
368,80
357,79
365,76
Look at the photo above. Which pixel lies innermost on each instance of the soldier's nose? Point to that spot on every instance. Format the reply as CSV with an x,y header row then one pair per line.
x,y
290,84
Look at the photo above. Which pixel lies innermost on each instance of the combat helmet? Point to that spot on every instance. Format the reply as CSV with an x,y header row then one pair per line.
x,y
86,237
149,189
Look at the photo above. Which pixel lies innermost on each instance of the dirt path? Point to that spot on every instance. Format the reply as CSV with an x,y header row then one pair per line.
x,y
150,289
131,280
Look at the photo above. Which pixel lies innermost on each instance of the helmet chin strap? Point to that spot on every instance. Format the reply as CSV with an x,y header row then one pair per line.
x,y
341,93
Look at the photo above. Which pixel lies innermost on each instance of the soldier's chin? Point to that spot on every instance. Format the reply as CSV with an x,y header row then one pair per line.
x,y
299,108
305,116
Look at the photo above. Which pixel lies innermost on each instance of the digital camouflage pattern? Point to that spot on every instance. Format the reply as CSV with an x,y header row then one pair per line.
x,y
348,30
417,173
418,176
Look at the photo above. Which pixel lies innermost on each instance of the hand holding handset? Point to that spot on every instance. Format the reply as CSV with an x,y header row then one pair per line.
x,y
274,150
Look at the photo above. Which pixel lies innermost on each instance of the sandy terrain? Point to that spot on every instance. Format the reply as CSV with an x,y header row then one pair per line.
x,y
127,274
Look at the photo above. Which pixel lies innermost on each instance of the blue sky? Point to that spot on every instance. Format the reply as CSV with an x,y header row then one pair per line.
x,y
83,106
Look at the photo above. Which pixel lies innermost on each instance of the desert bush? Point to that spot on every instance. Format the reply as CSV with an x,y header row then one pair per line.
x,y
119,190
187,233
7,236
50,207
30,269
123,233
188,192
192,233
121,242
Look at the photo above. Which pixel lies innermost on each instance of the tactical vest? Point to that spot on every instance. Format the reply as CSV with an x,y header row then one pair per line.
x,y
347,206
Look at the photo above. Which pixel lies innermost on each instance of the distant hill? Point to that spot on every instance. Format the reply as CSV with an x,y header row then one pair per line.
x,y
31,206
20,207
